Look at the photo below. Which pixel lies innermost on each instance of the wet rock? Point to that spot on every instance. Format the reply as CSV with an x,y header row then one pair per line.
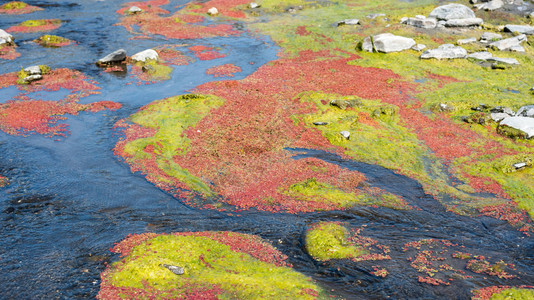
x,y
33,70
387,42
419,47
526,111
175,269
508,43
144,55
420,21
445,51
345,134
213,11
374,16
491,5
466,41
367,44
497,117
452,11
483,55
320,123
488,37
254,5
5,38
344,104
348,22
507,60
134,10
464,22
114,57
524,29
32,78
517,127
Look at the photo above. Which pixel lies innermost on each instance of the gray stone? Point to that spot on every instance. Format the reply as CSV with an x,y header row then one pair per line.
x,y
175,269
254,5
452,11
525,29
507,60
367,44
387,42
33,70
144,55
5,38
420,21
520,165
419,47
32,78
508,43
483,55
348,22
134,10
466,41
116,56
490,37
345,134
517,49
445,51
497,117
524,124
463,22
526,111
491,5
374,16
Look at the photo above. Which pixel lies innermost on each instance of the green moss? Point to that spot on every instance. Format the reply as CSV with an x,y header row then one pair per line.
x,y
44,69
35,23
328,240
14,5
155,70
207,264
514,294
20,77
170,118
51,40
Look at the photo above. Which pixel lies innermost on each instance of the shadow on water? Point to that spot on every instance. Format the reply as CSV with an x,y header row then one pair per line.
x,y
70,200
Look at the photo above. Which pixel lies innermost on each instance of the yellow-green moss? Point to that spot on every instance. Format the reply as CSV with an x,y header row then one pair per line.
x,y
51,40
155,70
207,263
328,240
514,294
35,23
14,5
170,118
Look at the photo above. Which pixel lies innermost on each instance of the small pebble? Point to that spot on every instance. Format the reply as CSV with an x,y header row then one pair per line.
x,y
320,123
345,134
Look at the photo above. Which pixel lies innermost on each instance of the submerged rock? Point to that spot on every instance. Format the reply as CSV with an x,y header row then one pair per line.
x,y
146,54
445,51
524,29
452,11
114,57
508,43
517,127
387,42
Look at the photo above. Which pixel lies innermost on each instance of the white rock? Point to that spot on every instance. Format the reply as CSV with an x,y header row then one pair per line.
x,y
524,124
509,42
484,55
116,56
420,21
419,47
526,111
213,11
33,78
520,165
387,42
497,117
452,11
134,10
348,22
507,60
490,37
517,49
492,5
33,70
253,5
6,37
466,41
525,29
445,51
345,134
367,44
146,54
463,22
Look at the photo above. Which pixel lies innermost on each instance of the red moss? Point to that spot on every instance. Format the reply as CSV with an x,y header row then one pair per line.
x,y
18,11
206,53
152,6
49,25
227,70
302,31
3,181
227,8
8,52
170,55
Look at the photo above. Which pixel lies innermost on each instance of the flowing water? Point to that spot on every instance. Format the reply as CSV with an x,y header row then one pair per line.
x,y
70,199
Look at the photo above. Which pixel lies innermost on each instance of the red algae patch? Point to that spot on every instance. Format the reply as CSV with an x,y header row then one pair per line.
x,y
206,53
8,52
202,265
35,26
17,8
227,70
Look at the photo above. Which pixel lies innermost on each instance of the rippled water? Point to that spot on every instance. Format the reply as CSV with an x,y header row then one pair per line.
x,y
70,200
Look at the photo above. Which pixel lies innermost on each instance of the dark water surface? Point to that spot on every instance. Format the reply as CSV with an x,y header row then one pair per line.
x,y
70,200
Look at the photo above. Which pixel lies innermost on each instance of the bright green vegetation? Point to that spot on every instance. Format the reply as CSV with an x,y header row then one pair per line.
x,y
207,264
51,40
329,240
514,294
14,5
35,23
23,74
170,118
313,190
155,70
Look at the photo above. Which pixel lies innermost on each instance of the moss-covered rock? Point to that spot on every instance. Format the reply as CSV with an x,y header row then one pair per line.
x,y
52,41
328,240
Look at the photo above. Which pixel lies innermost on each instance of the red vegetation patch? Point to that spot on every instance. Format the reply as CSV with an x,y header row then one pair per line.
x,y
301,30
8,52
227,8
152,6
3,181
227,70
48,25
206,53
508,212
18,11
170,55
487,292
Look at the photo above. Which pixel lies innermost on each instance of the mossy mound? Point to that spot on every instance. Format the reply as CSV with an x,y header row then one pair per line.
x,y
212,265
329,240
17,8
52,41
14,5
37,23
515,294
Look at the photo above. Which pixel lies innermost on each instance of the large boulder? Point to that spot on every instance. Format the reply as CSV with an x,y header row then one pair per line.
x,y
522,127
463,22
387,42
114,57
445,51
5,38
508,43
452,11
524,29
144,55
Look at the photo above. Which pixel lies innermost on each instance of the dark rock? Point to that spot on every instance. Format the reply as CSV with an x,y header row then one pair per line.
x,y
320,123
